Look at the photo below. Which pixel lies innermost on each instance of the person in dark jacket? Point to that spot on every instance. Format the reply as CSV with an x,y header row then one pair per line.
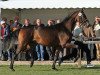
x,y
49,49
26,23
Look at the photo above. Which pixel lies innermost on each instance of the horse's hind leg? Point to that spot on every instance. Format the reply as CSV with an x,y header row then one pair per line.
x,y
32,57
55,59
12,61
32,52
14,57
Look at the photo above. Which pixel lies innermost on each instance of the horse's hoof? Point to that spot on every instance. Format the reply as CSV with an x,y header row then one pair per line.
x,y
75,60
31,66
55,69
60,61
12,69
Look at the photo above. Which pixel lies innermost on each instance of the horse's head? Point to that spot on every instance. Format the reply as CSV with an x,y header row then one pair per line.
x,y
77,16
81,18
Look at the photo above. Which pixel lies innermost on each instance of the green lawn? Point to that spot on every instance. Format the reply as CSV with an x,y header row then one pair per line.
x,y
46,70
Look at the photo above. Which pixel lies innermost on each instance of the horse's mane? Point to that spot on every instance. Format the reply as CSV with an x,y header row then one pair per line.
x,y
60,25
69,16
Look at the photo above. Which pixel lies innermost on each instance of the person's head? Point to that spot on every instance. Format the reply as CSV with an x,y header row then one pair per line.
x,y
11,22
78,23
3,24
50,22
16,19
97,19
38,22
53,22
26,22
4,19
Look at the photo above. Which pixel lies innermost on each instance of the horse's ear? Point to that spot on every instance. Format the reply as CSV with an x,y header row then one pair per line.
x,y
83,9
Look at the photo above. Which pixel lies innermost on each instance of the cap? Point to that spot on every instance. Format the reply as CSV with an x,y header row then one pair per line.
x,y
2,22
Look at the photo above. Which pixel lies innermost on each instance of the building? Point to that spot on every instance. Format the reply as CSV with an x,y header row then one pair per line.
x,y
48,9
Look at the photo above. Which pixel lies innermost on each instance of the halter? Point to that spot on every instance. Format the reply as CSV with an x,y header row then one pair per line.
x,y
83,21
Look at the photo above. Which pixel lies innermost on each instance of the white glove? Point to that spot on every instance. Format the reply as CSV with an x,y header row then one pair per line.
x,y
80,34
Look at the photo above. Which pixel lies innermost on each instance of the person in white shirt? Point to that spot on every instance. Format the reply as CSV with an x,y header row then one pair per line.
x,y
78,33
97,34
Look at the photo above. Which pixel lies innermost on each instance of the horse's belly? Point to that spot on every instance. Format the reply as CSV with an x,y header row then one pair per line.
x,y
44,41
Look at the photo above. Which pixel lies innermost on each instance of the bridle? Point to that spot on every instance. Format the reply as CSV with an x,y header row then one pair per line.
x,y
83,21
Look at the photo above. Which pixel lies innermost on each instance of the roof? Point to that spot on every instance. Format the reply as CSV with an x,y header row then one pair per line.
x,y
15,4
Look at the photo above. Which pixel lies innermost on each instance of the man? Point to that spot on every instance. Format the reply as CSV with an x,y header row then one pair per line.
x,y
78,32
16,23
4,36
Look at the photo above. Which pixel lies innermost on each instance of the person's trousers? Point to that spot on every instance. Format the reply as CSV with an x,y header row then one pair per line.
x,y
40,52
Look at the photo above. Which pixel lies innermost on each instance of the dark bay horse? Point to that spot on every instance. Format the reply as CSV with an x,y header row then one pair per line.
x,y
58,36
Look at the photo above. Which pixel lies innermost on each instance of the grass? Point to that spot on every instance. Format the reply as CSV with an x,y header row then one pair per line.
x,y
46,70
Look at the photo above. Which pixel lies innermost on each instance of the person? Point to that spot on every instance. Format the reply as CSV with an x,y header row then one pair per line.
x,y
7,25
4,37
16,23
78,34
49,49
84,47
26,23
97,34
39,48
11,23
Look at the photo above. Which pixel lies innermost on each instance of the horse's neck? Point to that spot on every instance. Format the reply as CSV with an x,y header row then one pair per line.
x,y
70,25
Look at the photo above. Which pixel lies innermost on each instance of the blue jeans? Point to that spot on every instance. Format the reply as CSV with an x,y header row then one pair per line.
x,y
40,52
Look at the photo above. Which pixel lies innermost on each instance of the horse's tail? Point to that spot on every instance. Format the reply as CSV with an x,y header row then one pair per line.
x,y
15,33
14,38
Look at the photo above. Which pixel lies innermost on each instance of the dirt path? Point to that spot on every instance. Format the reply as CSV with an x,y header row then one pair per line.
x,y
46,63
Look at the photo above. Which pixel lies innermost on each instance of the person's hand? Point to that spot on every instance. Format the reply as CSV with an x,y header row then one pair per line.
x,y
80,34
1,37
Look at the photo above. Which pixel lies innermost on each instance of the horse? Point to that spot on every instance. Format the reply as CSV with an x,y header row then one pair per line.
x,y
58,36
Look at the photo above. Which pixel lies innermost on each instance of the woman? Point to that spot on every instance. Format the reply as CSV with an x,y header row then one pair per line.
x,y
39,48
97,34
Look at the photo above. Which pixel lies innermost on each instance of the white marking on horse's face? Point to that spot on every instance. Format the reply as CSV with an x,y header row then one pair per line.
x,y
79,14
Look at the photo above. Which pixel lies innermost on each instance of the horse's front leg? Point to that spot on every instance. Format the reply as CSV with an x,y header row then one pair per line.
x,y
32,52
68,45
55,59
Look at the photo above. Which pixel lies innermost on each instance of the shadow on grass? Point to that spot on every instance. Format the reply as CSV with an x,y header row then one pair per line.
x,y
97,67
